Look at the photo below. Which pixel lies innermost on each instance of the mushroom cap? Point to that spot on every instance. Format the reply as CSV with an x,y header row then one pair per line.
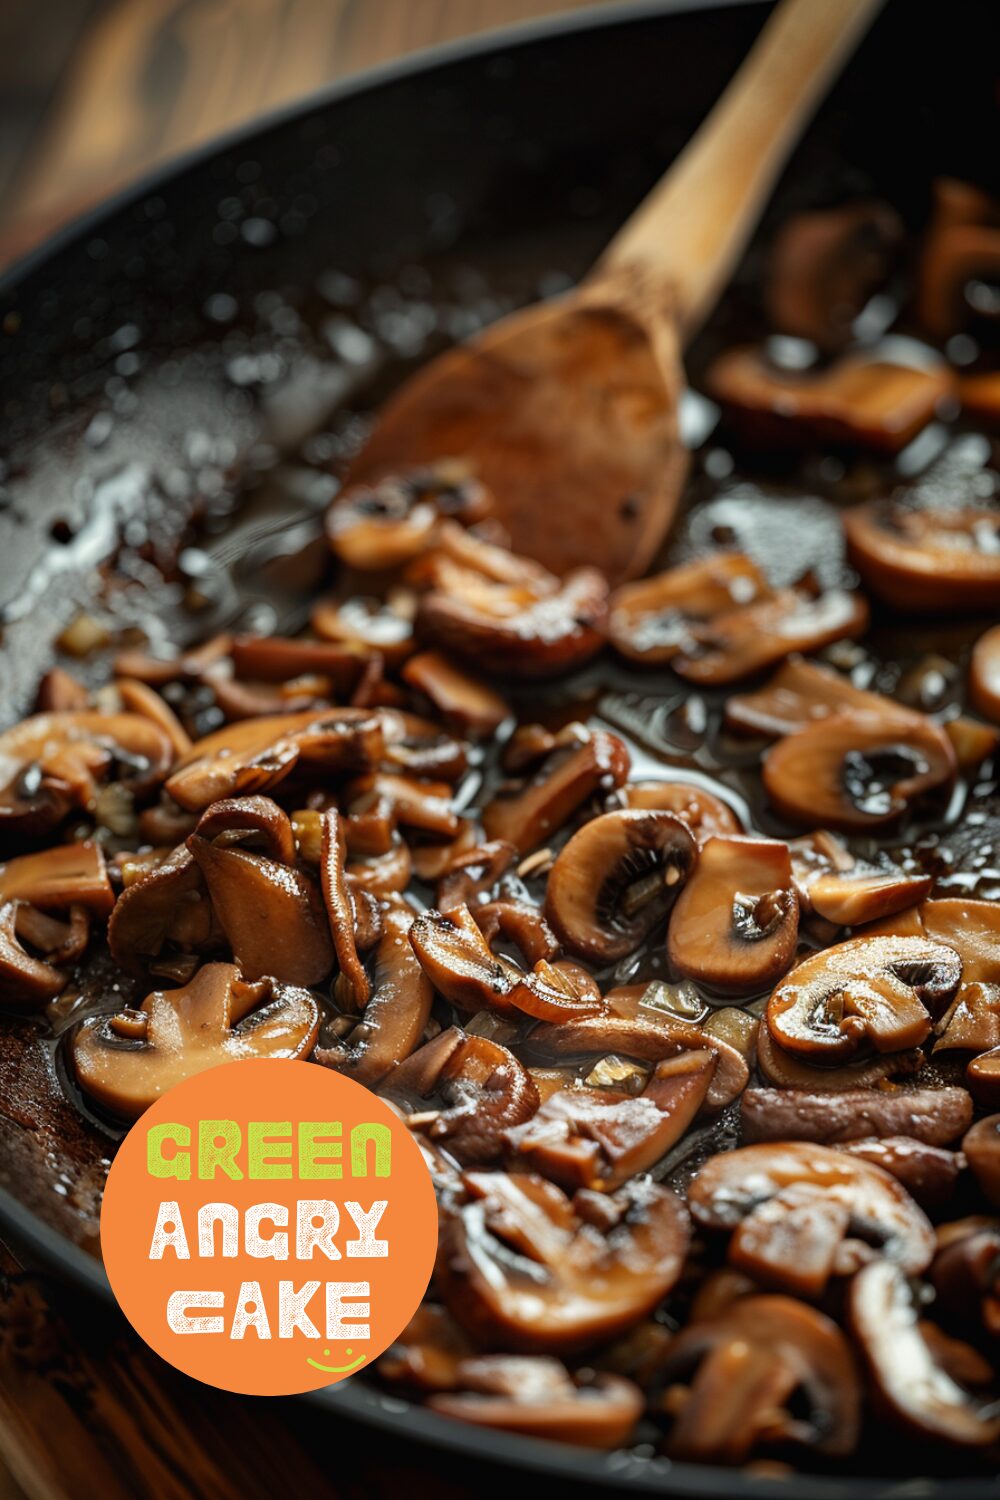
x,y
735,645
734,926
877,991
734,1184
520,1267
703,811
651,620
927,559
911,1385
856,770
25,982
124,1062
615,880
799,693
788,1070
579,764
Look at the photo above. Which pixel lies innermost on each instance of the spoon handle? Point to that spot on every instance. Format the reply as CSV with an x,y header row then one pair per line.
x,y
686,236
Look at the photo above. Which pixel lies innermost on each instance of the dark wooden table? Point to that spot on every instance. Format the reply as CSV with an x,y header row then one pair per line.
x,y
93,93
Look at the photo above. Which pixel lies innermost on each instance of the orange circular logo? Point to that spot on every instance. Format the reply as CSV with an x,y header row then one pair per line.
x,y
269,1227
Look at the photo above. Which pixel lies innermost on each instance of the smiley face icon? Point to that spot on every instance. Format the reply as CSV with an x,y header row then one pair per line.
x,y
337,1369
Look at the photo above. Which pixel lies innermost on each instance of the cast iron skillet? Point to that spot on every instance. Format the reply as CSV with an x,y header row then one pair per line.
x,y
129,391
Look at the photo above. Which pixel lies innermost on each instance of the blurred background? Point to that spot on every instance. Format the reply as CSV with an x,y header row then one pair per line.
x,y
94,92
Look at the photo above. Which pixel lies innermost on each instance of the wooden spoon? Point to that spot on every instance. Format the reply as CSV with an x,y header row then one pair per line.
x,y
568,410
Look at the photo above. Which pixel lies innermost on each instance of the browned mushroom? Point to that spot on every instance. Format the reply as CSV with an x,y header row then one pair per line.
x,y
984,673
734,645
24,981
424,805
380,527
58,692
253,756
799,693
878,992
162,905
474,877
823,267
928,1173
786,1071
397,1009
124,1062
856,770
615,881
535,1396
981,1145
859,401
369,624
522,1267
966,1275
485,1089
651,620
962,248
341,908
464,702
703,811
56,879
768,1373
580,763
933,1117
427,1354
597,1138
734,1191
418,747
923,559
54,762
735,925
910,1384
139,698
848,891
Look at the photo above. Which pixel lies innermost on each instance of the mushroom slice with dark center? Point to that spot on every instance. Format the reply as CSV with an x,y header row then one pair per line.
x,y
768,1373
596,1138
582,762
54,762
251,822
651,620
735,1185
124,1062
824,266
521,925
919,560
847,891
272,914
799,693
984,674
880,992
521,1268
735,925
703,812
375,528
647,1040
615,881
257,754
733,646
485,1089
396,1012
856,771
934,1117
536,1397
24,981
910,1385
56,879
858,401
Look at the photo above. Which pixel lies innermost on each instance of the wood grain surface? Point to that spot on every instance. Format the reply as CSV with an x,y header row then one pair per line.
x,y
92,94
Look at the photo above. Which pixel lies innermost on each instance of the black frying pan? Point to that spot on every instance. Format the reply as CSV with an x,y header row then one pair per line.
x,y
134,378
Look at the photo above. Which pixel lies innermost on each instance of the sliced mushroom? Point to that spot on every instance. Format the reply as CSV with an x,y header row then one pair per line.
x,y
650,1041
911,1386
24,981
56,879
786,1071
966,1276
423,805
255,755
377,528
537,1398
703,812
768,1373
520,1267
981,1145
921,560
485,1089
464,702
417,747
615,881
473,877
733,1187
596,1138
275,658
396,1012
962,248
856,770
877,992
847,891
581,763
984,672
734,645
54,762
340,908
823,267
735,925
124,1062
799,693
859,401
651,621
932,1117
139,698
928,1173
368,625
163,905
